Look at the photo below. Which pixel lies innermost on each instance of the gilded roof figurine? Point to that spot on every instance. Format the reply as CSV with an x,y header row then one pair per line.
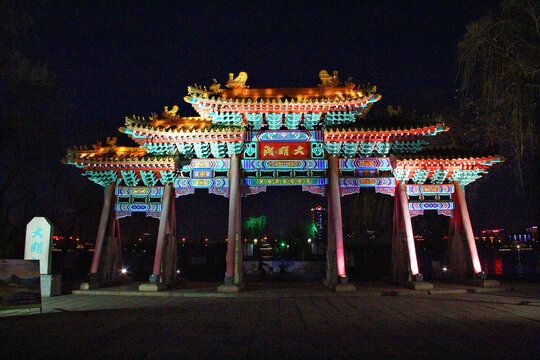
x,y
169,114
239,82
327,80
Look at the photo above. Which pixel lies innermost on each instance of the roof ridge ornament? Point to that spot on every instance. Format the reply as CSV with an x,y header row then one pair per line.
x,y
238,82
170,114
328,80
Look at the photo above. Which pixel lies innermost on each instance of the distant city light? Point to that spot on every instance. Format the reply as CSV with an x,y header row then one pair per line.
x,y
445,269
124,271
309,241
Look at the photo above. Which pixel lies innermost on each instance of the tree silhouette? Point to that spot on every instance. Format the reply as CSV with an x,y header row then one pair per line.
x,y
499,74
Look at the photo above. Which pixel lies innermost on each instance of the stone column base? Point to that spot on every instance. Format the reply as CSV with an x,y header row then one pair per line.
x,y
417,285
230,288
481,283
152,287
329,284
89,285
345,288
51,285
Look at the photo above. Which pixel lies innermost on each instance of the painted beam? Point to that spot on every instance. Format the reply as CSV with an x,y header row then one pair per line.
x,y
442,189
379,163
284,164
367,182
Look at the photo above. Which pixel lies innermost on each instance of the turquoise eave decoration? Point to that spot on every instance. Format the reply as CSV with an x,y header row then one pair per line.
x,y
491,162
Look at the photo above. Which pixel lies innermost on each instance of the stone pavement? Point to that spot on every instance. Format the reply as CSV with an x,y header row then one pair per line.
x,y
301,324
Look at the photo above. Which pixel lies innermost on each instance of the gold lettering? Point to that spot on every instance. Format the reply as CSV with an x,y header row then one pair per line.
x,y
299,150
268,150
284,150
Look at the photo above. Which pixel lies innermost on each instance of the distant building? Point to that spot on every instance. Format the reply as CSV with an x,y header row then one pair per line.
x,y
493,238
499,238
533,230
519,238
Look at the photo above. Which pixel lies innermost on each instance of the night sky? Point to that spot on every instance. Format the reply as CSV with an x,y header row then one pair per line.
x,y
121,58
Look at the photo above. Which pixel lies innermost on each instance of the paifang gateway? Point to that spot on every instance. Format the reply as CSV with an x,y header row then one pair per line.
x,y
247,139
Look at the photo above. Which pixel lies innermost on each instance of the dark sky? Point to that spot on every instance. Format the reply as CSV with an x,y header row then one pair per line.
x,y
121,58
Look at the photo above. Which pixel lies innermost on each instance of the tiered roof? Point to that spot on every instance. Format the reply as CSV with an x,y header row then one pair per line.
x,y
329,117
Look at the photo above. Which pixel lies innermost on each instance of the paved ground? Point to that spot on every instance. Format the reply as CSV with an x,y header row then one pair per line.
x,y
301,324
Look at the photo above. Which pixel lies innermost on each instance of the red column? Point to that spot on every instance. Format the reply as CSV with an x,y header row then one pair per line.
x,y
336,211
163,220
233,194
105,212
238,238
467,226
406,217
331,267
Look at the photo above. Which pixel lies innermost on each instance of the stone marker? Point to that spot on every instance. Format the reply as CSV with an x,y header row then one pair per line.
x,y
38,246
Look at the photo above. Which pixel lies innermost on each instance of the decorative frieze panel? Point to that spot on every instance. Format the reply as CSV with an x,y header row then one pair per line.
x,y
219,191
131,199
284,164
183,191
386,190
367,182
443,207
209,164
365,164
315,189
281,150
416,190
252,190
284,182
285,135
124,210
349,190
201,183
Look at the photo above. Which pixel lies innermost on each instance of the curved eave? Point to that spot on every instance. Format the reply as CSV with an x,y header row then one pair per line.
x,y
116,163
355,134
427,162
142,135
289,105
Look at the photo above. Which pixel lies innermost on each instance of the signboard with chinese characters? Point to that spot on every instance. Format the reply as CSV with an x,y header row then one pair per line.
x,y
19,284
38,245
284,150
